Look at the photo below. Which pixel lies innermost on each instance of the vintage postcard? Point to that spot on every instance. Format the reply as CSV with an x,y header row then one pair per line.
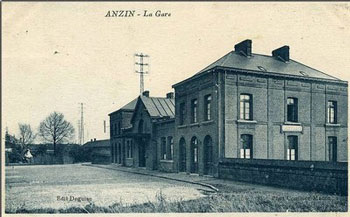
x,y
174,108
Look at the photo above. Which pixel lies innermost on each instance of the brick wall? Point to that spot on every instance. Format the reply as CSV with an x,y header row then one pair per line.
x,y
302,175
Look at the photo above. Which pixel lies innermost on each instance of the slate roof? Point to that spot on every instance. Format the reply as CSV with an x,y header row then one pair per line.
x,y
267,64
130,106
158,107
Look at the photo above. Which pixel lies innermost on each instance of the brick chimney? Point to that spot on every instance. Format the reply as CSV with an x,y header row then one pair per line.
x,y
145,93
281,53
170,95
244,48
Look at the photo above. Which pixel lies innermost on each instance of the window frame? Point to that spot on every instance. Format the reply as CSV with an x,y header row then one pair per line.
x,y
163,148
244,153
292,149
182,113
292,110
194,111
207,107
333,148
245,104
332,119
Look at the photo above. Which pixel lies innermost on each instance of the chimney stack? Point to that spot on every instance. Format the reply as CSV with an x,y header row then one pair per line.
x,y
170,95
145,93
244,48
281,53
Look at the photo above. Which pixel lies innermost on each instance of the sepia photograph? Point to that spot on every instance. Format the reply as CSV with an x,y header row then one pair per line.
x,y
174,108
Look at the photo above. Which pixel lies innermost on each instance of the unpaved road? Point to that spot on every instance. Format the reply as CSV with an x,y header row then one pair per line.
x,y
63,186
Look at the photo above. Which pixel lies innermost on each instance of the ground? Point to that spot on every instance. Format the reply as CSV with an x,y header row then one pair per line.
x,y
34,187
115,189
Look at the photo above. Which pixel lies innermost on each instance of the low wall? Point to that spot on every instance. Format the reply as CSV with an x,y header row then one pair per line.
x,y
303,175
166,166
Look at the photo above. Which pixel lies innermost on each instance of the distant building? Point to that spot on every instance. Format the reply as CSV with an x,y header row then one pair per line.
x,y
98,151
244,105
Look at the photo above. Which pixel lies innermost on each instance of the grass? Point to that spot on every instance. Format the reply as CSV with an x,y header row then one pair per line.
x,y
244,201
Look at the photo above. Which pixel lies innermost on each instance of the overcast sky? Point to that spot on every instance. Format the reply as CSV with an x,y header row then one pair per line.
x,y
94,61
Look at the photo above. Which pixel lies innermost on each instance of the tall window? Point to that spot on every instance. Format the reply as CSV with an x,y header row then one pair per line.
x,y
332,112
292,109
246,107
332,143
170,148
163,148
247,146
292,150
194,107
182,113
207,107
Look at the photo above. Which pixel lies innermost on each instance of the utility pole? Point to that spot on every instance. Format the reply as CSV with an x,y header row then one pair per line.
x,y
82,123
141,64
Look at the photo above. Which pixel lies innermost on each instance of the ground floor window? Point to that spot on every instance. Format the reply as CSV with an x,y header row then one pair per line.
x,y
247,146
332,142
292,150
163,148
170,148
129,148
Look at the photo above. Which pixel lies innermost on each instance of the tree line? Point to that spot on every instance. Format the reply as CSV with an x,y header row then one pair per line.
x,y
54,129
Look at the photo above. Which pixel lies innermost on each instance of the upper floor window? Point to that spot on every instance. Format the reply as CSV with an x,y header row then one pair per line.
x,y
194,108
332,112
247,146
246,107
207,107
163,148
332,143
182,113
292,150
292,109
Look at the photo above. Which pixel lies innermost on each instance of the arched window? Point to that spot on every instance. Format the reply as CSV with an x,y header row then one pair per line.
x,y
194,155
208,155
246,146
182,155
141,127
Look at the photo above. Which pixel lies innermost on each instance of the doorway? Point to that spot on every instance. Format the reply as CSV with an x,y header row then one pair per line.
x,y
182,155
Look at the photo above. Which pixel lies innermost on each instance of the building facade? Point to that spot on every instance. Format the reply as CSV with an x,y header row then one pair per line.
x,y
251,106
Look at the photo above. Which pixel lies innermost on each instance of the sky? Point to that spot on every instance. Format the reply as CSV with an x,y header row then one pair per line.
x,y
56,55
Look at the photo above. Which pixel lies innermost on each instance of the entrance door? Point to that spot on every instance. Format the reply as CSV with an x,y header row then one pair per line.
x,y
182,155
208,156
194,155
142,153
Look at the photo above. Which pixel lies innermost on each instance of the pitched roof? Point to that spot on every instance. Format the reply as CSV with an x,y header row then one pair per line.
x,y
267,64
158,107
130,106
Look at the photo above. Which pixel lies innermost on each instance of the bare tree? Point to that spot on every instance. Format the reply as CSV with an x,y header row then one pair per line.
x,y
56,130
26,135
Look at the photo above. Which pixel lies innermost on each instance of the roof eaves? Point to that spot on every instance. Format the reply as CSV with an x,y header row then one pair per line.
x,y
282,75
195,76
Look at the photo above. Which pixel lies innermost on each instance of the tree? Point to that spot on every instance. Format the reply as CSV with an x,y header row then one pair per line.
x,y
26,135
56,130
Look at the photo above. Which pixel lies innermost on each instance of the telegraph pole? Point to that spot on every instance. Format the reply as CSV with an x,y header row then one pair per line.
x,y
82,123
141,64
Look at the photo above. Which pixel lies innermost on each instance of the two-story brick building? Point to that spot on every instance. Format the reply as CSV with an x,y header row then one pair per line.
x,y
247,105
244,105
143,132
